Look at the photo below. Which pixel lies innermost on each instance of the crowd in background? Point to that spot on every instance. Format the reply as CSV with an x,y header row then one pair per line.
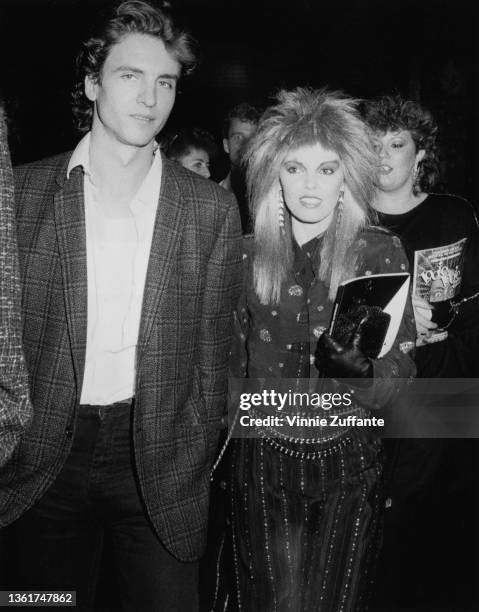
x,y
326,188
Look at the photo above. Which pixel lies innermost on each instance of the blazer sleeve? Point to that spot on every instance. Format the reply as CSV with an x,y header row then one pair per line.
x,y
222,289
15,407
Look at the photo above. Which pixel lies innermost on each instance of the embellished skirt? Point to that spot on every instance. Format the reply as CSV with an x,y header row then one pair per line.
x,y
305,524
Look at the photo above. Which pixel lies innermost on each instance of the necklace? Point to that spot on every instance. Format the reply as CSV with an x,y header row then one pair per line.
x,y
455,306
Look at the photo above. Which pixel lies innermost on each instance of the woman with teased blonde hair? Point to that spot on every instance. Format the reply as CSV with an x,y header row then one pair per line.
x,y
304,118
305,508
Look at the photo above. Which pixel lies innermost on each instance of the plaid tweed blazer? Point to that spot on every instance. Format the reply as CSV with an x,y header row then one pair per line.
x,y
15,407
192,286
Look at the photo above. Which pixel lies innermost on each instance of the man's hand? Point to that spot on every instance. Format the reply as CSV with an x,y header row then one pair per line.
x,y
337,360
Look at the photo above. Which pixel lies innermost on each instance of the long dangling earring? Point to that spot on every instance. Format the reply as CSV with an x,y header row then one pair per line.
x,y
339,206
281,212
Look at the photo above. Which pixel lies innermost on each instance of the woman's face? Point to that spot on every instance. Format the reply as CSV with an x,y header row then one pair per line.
x,y
398,160
198,161
311,178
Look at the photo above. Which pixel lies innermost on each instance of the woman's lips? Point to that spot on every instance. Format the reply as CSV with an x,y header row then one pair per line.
x,y
143,118
385,169
310,201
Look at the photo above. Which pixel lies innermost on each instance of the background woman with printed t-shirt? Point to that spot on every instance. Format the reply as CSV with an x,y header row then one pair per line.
x,y
440,236
439,233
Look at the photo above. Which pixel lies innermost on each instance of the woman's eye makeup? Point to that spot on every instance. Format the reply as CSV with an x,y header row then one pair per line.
x,y
328,170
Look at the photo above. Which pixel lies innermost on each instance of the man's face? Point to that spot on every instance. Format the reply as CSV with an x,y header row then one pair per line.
x,y
238,135
136,91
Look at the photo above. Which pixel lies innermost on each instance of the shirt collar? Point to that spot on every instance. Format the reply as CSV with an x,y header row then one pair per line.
x,y
147,193
151,182
308,247
81,156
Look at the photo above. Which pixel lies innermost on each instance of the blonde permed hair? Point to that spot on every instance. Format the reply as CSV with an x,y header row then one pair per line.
x,y
304,117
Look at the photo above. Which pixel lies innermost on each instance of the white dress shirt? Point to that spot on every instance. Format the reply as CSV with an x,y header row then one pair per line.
x,y
118,251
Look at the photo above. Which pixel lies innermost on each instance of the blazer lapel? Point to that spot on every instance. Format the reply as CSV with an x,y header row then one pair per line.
x,y
164,245
69,213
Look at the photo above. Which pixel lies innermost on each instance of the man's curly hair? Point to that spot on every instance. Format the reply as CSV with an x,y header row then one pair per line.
x,y
128,17
392,114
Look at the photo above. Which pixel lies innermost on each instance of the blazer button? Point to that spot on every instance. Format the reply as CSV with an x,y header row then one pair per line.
x,y
68,432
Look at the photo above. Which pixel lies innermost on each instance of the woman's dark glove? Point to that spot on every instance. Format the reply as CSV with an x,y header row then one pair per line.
x,y
338,360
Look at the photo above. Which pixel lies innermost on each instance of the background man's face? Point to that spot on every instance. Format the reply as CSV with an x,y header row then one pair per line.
x,y
136,90
238,135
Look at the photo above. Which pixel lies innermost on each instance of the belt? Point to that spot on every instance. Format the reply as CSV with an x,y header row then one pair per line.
x,y
125,402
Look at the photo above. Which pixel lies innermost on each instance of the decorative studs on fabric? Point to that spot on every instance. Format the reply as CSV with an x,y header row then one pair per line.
x,y
406,347
265,335
318,331
295,290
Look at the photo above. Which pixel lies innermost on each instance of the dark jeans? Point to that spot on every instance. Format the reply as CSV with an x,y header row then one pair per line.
x,y
95,505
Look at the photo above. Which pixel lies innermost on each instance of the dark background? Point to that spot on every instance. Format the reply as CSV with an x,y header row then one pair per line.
x,y
427,50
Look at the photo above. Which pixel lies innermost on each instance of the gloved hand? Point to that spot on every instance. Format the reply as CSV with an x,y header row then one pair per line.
x,y
338,360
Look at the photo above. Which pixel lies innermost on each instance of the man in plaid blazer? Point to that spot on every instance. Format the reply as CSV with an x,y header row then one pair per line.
x,y
126,343
15,407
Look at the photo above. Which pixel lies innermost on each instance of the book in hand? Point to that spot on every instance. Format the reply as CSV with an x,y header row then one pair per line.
x,y
379,297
